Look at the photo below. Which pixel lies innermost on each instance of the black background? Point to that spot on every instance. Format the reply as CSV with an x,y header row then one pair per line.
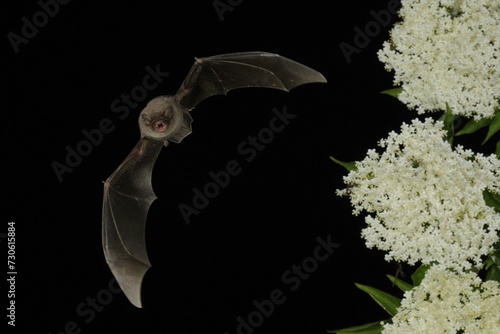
x,y
207,273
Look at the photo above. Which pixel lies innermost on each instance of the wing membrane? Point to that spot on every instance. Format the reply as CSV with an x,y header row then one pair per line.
x,y
219,74
128,195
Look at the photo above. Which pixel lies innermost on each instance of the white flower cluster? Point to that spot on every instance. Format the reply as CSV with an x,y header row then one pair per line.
x,y
448,302
426,199
447,52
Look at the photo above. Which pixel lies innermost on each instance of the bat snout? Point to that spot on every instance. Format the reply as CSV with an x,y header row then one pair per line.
x,y
160,126
161,118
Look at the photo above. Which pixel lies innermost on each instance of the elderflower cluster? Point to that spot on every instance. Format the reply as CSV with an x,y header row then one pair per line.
x,y
449,302
425,198
447,52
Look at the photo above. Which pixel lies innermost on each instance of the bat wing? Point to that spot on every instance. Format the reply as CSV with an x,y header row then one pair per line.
x,y
128,195
219,74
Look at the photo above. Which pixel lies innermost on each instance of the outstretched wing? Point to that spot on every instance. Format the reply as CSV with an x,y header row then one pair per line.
x,y
128,195
219,74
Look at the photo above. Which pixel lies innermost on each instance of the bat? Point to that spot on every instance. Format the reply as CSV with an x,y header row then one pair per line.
x,y
128,192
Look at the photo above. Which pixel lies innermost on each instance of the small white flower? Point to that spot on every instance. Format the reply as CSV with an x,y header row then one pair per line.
x,y
426,199
448,302
447,52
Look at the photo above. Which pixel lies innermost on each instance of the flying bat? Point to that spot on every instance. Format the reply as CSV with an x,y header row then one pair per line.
x,y
128,192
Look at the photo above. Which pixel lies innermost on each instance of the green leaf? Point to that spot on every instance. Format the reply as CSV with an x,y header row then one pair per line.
x,y
473,125
393,91
388,302
494,127
400,283
371,328
492,264
419,274
350,166
492,200
493,273
497,151
448,119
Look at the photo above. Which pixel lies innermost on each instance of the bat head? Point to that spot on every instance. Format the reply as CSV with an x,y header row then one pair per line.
x,y
164,119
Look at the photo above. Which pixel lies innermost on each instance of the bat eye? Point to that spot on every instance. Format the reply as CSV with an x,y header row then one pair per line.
x,y
160,126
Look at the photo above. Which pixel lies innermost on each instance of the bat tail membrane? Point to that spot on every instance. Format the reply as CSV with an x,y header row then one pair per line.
x,y
219,74
128,195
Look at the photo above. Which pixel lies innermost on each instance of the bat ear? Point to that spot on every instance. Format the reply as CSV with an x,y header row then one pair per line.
x,y
184,129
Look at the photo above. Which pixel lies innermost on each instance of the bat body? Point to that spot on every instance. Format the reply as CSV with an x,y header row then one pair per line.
x,y
128,192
